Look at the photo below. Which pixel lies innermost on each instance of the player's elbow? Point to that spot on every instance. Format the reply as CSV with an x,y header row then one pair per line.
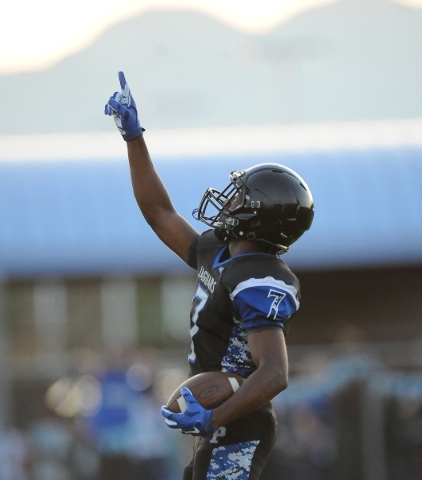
x,y
158,217
281,381
278,382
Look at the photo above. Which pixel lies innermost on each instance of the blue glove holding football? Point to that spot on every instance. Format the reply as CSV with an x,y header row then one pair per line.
x,y
122,107
195,420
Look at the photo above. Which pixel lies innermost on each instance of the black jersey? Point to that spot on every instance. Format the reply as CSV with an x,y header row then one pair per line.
x,y
235,296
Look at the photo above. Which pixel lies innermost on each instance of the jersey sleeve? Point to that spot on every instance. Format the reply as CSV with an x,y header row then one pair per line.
x,y
203,244
261,303
192,257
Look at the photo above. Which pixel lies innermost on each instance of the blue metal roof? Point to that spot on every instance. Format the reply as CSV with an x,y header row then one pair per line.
x,y
80,217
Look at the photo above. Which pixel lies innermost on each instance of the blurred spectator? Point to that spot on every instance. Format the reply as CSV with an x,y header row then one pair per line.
x,y
404,436
51,448
109,426
14,454
127,428
149,440
306,447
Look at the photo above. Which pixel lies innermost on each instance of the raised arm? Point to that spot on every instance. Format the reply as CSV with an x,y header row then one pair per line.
x,y
150,192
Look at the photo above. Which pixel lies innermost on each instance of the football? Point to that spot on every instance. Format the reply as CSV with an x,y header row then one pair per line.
x,y
211,389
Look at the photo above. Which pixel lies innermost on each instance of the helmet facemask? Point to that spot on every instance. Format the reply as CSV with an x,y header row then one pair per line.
x,y
228,212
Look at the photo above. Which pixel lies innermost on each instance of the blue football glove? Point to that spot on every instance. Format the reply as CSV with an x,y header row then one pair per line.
x,y
122,107
195,420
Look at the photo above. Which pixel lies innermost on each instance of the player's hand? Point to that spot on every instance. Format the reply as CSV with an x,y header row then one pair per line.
x,y
195,420
122,107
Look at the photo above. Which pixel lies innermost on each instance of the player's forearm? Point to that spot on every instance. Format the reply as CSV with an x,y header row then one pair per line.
x,y
259,389
150,193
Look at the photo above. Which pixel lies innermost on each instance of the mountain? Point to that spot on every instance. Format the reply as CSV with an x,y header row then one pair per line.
x,y
355,59
363,60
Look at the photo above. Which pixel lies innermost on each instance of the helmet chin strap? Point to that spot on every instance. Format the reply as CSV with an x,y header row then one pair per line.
x,y
258,232
280,248
255,236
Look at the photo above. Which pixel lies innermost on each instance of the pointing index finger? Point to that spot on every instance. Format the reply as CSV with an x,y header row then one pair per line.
x,y
122,80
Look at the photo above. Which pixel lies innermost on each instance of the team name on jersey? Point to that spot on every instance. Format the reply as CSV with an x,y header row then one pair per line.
x,y
207,279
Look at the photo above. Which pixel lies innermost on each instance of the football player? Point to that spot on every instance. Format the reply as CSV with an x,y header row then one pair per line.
x,y
244,300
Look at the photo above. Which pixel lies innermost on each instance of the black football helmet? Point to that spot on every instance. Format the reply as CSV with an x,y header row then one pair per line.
x,y
268,203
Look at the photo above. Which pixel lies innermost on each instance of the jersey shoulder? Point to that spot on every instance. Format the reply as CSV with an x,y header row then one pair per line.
x,y
204,244
258,266
263,290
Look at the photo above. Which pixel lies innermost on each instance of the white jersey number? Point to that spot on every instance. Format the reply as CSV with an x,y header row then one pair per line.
x,y
202,296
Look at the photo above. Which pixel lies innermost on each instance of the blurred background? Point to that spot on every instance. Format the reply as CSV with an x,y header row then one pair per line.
x,y
94,311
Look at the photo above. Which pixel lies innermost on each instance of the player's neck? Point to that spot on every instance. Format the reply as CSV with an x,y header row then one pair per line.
x,y
238,246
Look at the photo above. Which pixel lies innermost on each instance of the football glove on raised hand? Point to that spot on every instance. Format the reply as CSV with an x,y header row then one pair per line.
x,y
195,420
122,107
